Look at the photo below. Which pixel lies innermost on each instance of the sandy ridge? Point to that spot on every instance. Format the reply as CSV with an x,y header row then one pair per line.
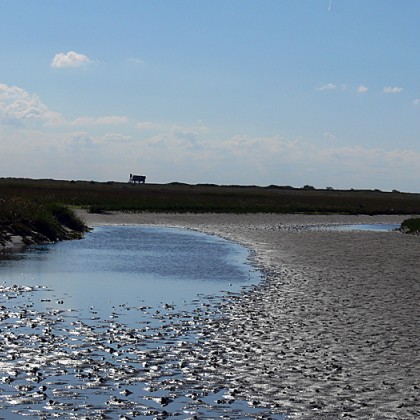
x,y
334,331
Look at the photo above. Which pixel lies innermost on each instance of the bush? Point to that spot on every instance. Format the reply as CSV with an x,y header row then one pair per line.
x,y
48,228
411,226
67,217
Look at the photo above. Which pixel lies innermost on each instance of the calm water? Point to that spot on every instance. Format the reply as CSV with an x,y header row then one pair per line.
x,y
111,325
126,265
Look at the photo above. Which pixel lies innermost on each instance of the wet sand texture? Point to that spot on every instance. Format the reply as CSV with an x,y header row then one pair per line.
x,y
333,331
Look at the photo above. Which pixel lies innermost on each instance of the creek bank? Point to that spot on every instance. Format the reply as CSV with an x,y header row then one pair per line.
x,y
28,223
9,238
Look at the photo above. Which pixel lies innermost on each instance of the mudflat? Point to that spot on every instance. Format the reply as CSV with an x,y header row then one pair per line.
x,y
333,331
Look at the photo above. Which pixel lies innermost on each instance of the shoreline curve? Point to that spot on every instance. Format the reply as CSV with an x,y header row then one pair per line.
x,y
333,331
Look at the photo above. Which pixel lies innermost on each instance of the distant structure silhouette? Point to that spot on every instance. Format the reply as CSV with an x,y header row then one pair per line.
x,y
137,179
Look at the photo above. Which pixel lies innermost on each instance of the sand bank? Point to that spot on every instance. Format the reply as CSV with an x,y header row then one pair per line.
x,y
334,329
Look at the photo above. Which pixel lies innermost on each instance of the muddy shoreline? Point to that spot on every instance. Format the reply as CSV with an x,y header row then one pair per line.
x,y
333,331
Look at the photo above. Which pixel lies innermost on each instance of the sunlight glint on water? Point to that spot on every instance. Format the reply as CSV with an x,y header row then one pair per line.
x,y
113,325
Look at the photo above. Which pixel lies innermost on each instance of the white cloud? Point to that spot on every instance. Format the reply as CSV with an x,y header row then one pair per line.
x,y
296,161
146,126
83,141
330,136
107,120
273,160
176,137
263,148
137,61
18,107
71,59
327,86
192,154
392,89
362,89
44,144
113,138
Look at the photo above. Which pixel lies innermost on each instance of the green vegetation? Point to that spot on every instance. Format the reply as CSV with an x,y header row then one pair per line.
x,y
39,210
178,197
411,226
37,221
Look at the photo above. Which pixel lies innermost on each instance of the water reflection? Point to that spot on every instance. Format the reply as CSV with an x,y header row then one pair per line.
x,y
129,265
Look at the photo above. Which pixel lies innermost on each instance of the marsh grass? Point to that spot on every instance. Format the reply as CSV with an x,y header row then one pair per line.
x,y
37,220
178,197
38,210
66,217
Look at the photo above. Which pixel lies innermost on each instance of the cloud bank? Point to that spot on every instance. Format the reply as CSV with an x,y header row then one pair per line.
x,y
19,107
37,142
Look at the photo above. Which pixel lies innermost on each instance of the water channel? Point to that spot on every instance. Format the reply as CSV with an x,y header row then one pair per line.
x,y
107,326
112,325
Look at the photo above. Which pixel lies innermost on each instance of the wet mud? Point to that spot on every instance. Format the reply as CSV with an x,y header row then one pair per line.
x,y
54,363
334,330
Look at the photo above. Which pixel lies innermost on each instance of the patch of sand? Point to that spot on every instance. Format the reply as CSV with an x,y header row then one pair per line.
x,y
334,329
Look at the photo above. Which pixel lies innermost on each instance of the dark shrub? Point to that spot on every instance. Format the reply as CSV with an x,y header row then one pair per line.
x,y
67,217
411,226
47,228
96,210
21,229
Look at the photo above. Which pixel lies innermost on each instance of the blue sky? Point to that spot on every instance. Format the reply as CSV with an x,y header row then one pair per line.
x,y
285,92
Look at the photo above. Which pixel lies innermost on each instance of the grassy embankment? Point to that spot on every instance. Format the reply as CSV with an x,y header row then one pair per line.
x,y
40,205
37,221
